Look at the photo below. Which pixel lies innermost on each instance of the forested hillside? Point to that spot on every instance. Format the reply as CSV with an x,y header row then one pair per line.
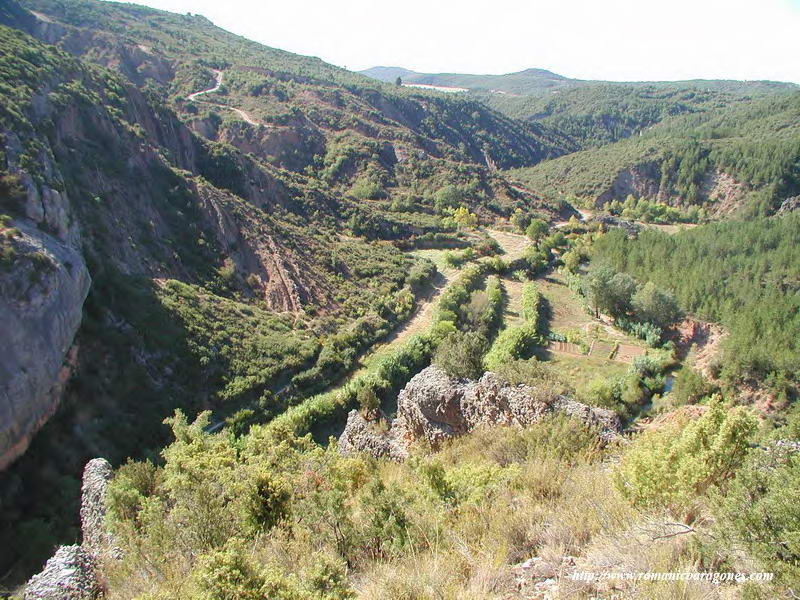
x,y
744,155
272,293
591,113
541,82
743,274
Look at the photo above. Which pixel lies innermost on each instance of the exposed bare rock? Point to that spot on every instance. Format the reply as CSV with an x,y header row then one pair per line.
x,y
41,300
361,435
630,228
435,407
72,572
642,180
704,340
96,538
539,578
789,206
70,575
723,192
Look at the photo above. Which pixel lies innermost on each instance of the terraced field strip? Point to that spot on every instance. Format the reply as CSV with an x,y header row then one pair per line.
x,y
627,352
601,350
513,312
565,348
421,318
513,244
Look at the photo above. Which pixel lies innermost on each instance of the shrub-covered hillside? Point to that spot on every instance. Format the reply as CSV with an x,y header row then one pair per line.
x,y
261,251
218,277
745,154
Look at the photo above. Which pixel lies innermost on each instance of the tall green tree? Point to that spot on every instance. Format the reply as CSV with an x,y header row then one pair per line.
x,y
656,306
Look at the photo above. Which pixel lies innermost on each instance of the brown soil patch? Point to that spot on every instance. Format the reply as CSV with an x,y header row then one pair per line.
x,y
626,353
698,343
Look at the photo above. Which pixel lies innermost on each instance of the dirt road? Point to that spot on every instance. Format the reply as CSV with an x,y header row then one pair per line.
x,y
244,116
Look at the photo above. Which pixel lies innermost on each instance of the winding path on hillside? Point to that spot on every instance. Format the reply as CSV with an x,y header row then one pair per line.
x,y
218,83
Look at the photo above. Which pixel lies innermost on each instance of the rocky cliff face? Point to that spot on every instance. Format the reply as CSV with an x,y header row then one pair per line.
x,y
641,181
721,192
434,407
41,298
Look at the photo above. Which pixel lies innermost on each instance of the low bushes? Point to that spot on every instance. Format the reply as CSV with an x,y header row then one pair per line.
x,y
384,529
652,334
387,374
760,512
672,465
461,354
531,303
518,341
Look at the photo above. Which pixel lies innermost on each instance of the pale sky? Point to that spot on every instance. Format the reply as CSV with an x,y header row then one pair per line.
x,y
620,40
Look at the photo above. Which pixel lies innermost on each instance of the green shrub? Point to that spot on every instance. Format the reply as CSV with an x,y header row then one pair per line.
x,y
368,400
460,354
230,574
12,194
760,510
531,303
673,465
689,387
133,482
367,189
450,196
512,343
265,503
420,275
536,230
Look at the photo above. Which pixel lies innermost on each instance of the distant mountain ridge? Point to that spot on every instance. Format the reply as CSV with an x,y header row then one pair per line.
x,y
533,82
527,82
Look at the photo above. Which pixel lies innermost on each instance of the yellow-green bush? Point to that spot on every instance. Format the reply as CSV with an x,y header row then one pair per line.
x,y
673,465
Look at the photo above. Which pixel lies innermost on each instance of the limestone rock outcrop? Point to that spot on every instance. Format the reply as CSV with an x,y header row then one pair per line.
x,y
434,407
41,302
372,437
97,540
70,575
73,571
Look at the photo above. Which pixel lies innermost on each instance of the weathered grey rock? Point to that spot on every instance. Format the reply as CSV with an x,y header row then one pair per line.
x,y
789,205
361,435
97,540
70,575
435,407
41,301
630,228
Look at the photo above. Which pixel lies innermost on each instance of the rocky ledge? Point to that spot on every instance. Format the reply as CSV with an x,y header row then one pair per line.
x,y
434,407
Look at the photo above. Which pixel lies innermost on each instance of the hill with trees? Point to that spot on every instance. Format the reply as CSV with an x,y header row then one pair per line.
x,y
592,113
241,247
541,82
745,154
234,241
